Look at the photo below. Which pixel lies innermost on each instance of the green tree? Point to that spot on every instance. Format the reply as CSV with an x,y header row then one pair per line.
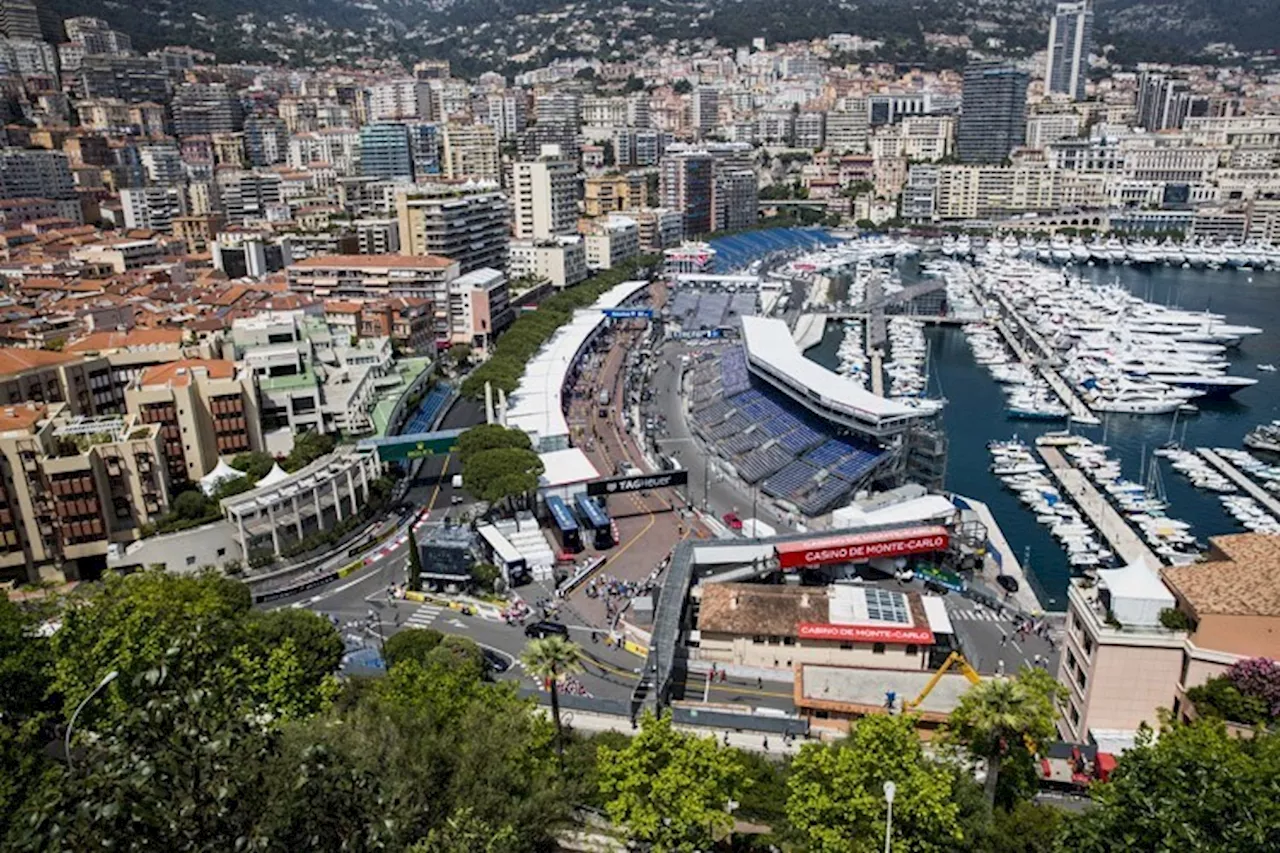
x,y
548,660
254,463
460,654
1196,789
682,87
316,643
836,793
499,475
485,575
415,562
26,718
998,716
486,437
459,354
670,789
307,448
1026,828
191,504
411,644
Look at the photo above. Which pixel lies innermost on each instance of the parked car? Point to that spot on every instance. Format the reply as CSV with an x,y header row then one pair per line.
x,y
540,630
732,521
494,662
1007,582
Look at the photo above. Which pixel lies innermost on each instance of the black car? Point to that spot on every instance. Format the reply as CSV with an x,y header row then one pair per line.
x,y
494,662
544,629
1007,582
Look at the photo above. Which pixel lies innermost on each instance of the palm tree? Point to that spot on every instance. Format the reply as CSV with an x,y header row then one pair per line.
x,y
998,714
548,659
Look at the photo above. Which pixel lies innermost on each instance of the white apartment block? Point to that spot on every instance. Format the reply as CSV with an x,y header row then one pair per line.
x,y
406,98
561,261
611,241
544,198
470,152
337,147
152,207
1047,128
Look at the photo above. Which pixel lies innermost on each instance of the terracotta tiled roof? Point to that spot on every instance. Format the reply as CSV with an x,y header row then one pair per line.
x,y
99,341
1245,583
741,608
21,417
178,373
18,359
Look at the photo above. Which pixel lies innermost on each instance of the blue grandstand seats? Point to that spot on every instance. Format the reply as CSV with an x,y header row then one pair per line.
x,y
428,410
790,480
828,453
822,498
857,466
744,442
734,425
761,463
801,439
739,250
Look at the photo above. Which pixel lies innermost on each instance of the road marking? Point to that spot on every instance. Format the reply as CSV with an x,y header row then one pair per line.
x,y
423,616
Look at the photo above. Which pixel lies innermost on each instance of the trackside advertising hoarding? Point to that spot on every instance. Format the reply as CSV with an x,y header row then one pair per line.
x,y
862,546
865,634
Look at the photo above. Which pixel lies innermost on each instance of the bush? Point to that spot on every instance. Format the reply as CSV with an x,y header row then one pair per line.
x,y
1219,698
1174,619
485,575
411,644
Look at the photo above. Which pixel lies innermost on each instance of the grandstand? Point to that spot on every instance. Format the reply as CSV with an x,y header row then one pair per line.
x,y
739,250
794,458
429,410
694,309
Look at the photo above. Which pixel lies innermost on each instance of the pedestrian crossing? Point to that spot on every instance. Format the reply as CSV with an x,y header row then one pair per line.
x,y
983,615
424,616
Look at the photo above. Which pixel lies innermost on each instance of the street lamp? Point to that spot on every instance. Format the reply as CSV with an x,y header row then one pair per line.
x,y
106,679
889,790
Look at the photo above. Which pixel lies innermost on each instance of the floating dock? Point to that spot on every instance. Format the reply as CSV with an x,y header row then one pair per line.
x,y
1252,489
1122,538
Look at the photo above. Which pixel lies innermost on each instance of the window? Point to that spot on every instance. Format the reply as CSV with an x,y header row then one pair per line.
x,y
788,641
877,649
1075,715
846,646
1080,679
191,561
913,650
1088,646
1071,661
758,640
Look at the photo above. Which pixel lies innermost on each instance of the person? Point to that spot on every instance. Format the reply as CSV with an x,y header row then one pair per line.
x,y
759,683
766,743
1037,660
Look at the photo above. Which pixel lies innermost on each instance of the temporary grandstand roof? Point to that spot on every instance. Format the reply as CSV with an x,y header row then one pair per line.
x,y
535,405
770,341
565,467
275,475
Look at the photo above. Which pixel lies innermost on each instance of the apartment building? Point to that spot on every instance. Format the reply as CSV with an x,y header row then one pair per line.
x,y
205,409
544,198
84,383
611,241
611,193
470,152
469,225
559,260
72,486
972,192
1120,663
130,352
479,308
153,208
364,277
660,227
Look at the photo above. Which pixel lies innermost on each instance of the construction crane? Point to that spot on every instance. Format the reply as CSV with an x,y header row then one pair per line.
x,y
953,659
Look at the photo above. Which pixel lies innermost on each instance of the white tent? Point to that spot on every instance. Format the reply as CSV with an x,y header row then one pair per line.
x,y
1137,594
221,473
275,475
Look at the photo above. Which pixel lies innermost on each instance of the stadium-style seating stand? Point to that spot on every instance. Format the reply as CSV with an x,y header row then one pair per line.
x,y
428,410
794,457
736,252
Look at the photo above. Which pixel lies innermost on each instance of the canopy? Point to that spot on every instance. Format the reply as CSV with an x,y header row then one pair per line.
x,y
275,475
221,473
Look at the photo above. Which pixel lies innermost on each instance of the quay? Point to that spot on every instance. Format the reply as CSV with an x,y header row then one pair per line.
x,y
1001,560
1080,411
1259,494
1122,538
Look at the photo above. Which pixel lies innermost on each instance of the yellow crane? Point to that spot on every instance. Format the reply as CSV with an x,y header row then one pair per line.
x,y
953,659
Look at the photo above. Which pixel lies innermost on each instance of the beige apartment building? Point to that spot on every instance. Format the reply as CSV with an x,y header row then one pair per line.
x,y
84,383
204,409
73,485
612,193
470,151
1122,666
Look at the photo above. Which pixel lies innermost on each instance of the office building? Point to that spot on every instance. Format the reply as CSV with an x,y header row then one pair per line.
x,y
550,135
704,111
380,236
558,108
811,130
244,253
468,225
544,198
993,117
686,183
385,152
338,147
153,208
470,152
424,145
1166,101
638,146
20,20
206,108
205,409
75,486
1070,40
735,200
40,174
559,260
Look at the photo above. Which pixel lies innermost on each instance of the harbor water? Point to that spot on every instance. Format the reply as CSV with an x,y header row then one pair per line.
x,y
975,413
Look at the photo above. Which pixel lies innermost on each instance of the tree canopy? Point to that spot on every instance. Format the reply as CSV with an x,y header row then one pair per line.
x,y
503,473
670,789
836,802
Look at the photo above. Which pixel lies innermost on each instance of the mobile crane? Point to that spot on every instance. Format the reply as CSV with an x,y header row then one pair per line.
x,y
953,659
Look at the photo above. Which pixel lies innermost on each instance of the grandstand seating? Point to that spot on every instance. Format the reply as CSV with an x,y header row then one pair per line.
x,y
790,480
735,424
801,439
761,463
737,251
744,442
734,378
428,410
825,495
858,465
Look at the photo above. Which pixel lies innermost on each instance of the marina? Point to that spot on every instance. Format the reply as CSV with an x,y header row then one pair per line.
x,y
1259,494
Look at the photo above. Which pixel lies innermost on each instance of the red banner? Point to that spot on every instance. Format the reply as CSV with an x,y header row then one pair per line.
x,y
865,634
862,546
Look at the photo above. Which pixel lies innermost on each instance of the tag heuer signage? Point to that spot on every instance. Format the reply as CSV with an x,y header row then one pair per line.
x,y
617,485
